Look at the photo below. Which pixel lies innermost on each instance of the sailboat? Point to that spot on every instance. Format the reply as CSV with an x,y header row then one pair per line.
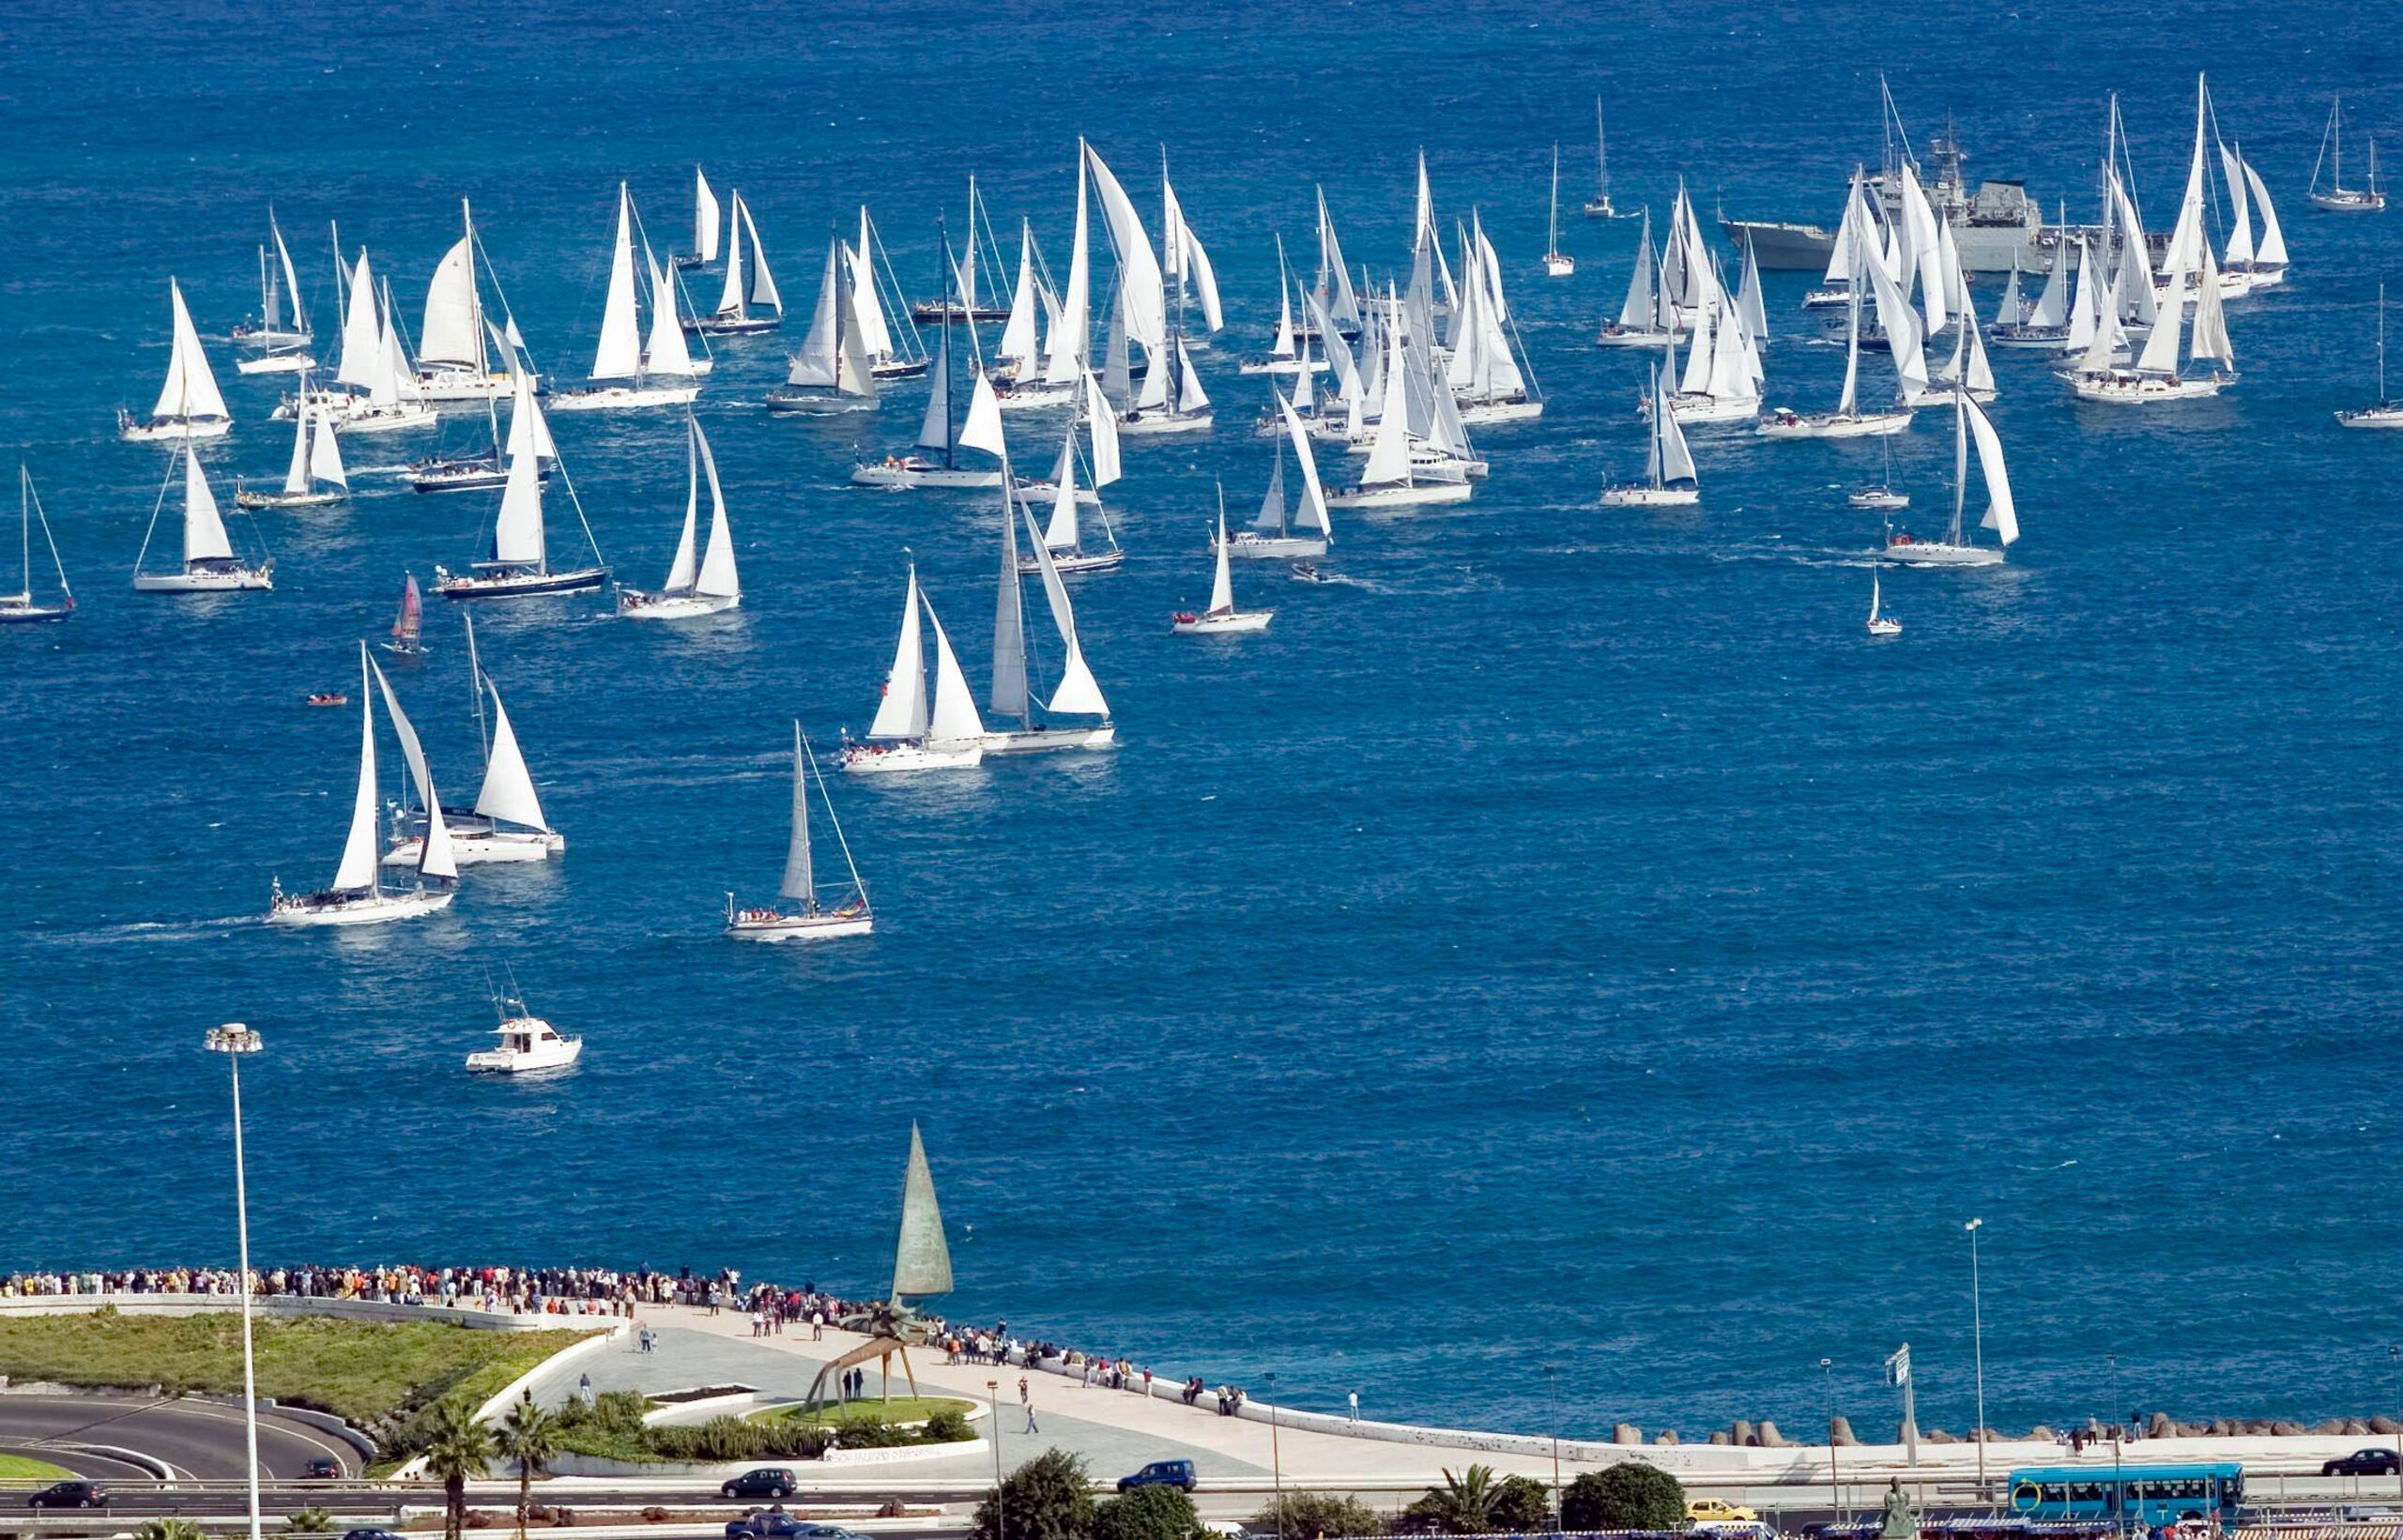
x,y
1288,352
1221,619
18,608
462,356
507,825
1273,534
283,341
2383,413
1599,205
1646,318
830,373
705,585
1078,695
516,564
210,565
1879,624
742,307
1396,475
1957,549
1171,400
315,476
814,918
969,289
357,896
190,405
937,432
1847,420
2043,325
904,736
408,621
374,390
707,219
1555,264
1669,479
873,282
626,372
1489,376
529,431
1064,538
2338,198
1882,498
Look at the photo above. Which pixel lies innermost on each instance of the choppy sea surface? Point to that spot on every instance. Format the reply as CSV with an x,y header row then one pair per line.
x,y
1565,939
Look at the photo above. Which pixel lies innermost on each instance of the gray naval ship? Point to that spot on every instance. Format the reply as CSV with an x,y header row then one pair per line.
x,y
1997,228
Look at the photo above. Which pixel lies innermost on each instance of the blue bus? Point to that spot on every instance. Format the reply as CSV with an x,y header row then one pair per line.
x,y
2129,1495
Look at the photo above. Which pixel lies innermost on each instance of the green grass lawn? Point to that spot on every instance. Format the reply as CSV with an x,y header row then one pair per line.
x,y
25,1468
901,1408
374,1375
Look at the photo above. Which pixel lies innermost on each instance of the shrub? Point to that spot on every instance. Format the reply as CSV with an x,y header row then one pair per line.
x,y
1311,1515
1520,1505
1146,1513
168,1529
946,1427
1628,1495
308,1521
1048,1497
874,1433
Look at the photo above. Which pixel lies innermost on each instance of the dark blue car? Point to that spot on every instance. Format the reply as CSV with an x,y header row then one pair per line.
x,y
1177,1474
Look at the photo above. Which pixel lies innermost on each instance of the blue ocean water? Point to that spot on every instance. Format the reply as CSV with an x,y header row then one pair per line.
x,y
1565,941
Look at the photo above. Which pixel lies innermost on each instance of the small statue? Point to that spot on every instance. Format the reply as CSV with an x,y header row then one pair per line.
x,y
1901,1520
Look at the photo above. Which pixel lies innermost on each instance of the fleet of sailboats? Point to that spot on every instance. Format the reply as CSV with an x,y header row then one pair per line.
x,y
630,369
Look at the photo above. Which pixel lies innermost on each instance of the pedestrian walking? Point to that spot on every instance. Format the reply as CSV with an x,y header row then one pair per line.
x,y
1026,1399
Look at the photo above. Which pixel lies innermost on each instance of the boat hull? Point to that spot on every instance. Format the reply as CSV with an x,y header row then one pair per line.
x,y
174,430
1859,426
1249,547
324,909
897,475
287,499
1615,336
276,363
797,927
1034,397
1280,366
1938,554
634,604
463,475
472,846
464,387
1880,502
1418,493
18,612
733,325
1067,563
806,404
1486,414
503,1061
621,398
2142,389
1046,739
1152,424
1639,496
217,580
1232,623
2371,417
517,585
903,758
1714,408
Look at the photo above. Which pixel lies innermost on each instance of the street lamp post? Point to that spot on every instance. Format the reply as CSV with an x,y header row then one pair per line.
x,y
234,1040
1276,1459
1835,1481
993,1401
1551,1393
1978,1346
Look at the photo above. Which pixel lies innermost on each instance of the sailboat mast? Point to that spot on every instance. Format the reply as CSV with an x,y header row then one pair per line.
x,y
476,689
1552,247
25,523
1601,155
475,290
2382,346
948,289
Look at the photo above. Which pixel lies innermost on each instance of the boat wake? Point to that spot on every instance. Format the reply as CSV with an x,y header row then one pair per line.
x,y
154,930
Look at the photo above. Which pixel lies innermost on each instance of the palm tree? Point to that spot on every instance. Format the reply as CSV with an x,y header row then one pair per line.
x,y
168,1529
308,1521
529,1436
1463,1505
457,1446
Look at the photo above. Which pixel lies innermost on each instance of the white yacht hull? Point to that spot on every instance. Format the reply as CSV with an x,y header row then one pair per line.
x,y
1280,366
1687,408
288,500
1870,425
1028,398
173,430
767,925
1486,414
1151,424
508,1062
520,585
466,387
2118,389
276,363
1615,336
1938,554
1234,622
900,474
1880,501
1938,395
1557,266
1039,495
1045,740
485,848
2371,417
618,398
1244,546
1643,497
1402,496
634,604
1069,563
813,403
371,908
901,758
206,581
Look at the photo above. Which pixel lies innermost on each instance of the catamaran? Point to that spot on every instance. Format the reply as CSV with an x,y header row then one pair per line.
x,y
1957,548
1221,619
357,896
904,736
516,564
315,476
18,608
1555,264
1669,479
1599,205
282,341
937,432
707,219
409,622
210,565
831,372
1647,318
708,584
1273,534
626,371
2383,413
2338,198
460,354
507,825
190,405
1879,624
815,919
742,307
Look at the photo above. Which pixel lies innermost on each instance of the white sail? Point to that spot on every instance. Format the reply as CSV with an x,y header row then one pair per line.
x,y
875,336
2108,335
682,570
619,353
730,299
763,283
391,380
1927,247
1676,461
1064,532
453,334
2186,242
1190,397
1305,380
358,851
295,475
529,433
799,881
1749,301
1282,345
2052,306
413,752
1009,696
902,712
204,538
666,351
1981,370
1700,349
1072,330
1334,279
933,428
291,279
718,579
1900,324
324,453
1140,283
517,530
1389,455
982,430
508,793
2271,250
1849,405
1313,509
2160,353
1222,583
2239,206
2001,514
955,719
1271,517
1635,314
705,218
190,391
1101,427
1018,334
818,363
1078,694
2211,319
362,338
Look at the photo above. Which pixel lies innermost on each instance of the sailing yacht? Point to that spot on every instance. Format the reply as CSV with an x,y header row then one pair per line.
x,y
1221,619
282,341
1064,539
708,584
1957,549
1599,205
2043,325
2383,413
528,433
873,282
968,287
1288,350
831,372
1171,400
1555,264
210,565
2155,375
628,371
742,307
1879,624
18,608
904,736
1398,474
1847,420
516,563
1882,498
374,390
462,356
529,1044
1645,317
1490,377
708,217
315,476
814,918
1078,695
1669,479
1718,384
937,432
357,896
2340,199
506,826
408,621
1274,534
190,405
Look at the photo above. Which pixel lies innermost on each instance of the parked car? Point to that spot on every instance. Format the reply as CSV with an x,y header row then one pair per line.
x,y
1177,1473
326,1471
772,1524
70,1494
1710,1510
767,1480
2364,1462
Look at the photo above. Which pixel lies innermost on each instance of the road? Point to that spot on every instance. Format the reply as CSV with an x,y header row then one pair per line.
x,y
97,1436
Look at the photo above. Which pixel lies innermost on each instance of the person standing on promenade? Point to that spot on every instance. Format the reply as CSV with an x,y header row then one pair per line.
x,y
1026,1399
